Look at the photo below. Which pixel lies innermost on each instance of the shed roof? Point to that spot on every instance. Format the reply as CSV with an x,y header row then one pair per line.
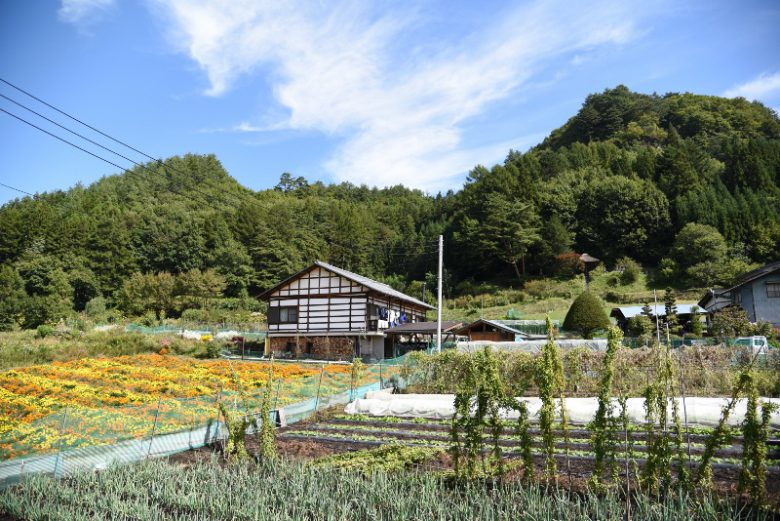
x,y
498,324
447,326
371,284
633,311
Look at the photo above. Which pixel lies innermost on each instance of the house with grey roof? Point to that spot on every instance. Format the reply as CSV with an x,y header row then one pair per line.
x,y
757,292
327,312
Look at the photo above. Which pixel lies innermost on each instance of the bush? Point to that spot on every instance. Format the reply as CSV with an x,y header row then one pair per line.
x,y
43,331
730,322
629,270
667,271
95,307
568,264
586,315
546,288
149,320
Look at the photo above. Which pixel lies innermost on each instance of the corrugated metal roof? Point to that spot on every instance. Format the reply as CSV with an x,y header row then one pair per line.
x,y
371,284
496,324
424,327
633,311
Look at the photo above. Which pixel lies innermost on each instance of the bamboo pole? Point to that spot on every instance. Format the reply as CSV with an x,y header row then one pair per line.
x,y
154,427
59,444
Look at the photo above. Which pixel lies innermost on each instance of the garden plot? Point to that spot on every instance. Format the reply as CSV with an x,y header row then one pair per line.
x,y
574,450
102,401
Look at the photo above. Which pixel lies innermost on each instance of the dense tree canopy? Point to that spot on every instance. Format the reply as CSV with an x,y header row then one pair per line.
x,y
625,177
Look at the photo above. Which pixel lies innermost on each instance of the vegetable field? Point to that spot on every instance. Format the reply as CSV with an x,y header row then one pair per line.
x,y
575,456
155,490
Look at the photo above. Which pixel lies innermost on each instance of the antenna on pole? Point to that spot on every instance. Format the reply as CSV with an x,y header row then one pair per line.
x,y
438,319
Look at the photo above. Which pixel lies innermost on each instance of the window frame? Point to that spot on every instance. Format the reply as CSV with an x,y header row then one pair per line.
x,y
773,289
275,315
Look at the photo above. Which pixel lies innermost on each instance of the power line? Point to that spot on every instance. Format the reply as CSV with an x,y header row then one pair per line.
x,y
237,198
17,189
55,136
159,161
140,165
74,118
63,127
116,140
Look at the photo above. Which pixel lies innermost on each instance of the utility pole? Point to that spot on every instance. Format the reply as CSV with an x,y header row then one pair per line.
x,y
438,319
657,326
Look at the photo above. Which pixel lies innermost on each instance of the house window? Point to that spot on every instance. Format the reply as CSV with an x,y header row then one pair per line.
x,y
283,315
773,289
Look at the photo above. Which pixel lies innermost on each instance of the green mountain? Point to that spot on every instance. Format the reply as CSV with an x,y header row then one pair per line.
x,y
625,177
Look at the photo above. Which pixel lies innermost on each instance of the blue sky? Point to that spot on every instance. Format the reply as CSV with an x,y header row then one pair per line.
x,y
376,92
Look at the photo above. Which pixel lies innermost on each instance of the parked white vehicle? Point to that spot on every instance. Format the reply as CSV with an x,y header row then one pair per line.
x,y
758,344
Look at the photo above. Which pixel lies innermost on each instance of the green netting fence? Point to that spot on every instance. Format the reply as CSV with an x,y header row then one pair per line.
x,y
222,330
79,438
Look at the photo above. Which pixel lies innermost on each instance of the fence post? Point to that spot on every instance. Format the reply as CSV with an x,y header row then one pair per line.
x,y
319,385
154,427
381,382
217,429
685,417
276,399
352,381
59,445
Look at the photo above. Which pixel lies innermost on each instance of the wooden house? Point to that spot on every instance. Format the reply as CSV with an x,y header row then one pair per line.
x,y
757,292
327,312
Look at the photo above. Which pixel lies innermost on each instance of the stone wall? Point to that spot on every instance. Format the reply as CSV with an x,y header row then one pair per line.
x,y
319,347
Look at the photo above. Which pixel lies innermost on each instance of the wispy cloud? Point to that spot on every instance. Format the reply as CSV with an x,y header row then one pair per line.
x,y
398,108
82,13
763,87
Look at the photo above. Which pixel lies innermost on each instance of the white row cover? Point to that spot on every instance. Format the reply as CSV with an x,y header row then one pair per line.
x,y
581,411
532,346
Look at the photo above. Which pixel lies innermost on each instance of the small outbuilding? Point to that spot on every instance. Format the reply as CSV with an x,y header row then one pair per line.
x,y
502,330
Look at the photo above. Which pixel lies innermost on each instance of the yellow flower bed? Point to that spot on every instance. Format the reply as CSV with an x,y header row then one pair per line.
x,y
104,400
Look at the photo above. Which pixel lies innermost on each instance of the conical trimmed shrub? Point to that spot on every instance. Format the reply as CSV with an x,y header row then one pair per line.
x,y
586,315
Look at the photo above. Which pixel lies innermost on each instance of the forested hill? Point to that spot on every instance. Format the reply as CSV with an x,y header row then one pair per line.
x,y
624,177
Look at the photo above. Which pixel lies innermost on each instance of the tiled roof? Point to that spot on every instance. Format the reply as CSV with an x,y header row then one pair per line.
x,y
360,279
371,284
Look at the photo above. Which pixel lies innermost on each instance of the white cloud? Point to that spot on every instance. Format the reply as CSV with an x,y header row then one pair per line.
x,y
83,12
348,71
761,88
